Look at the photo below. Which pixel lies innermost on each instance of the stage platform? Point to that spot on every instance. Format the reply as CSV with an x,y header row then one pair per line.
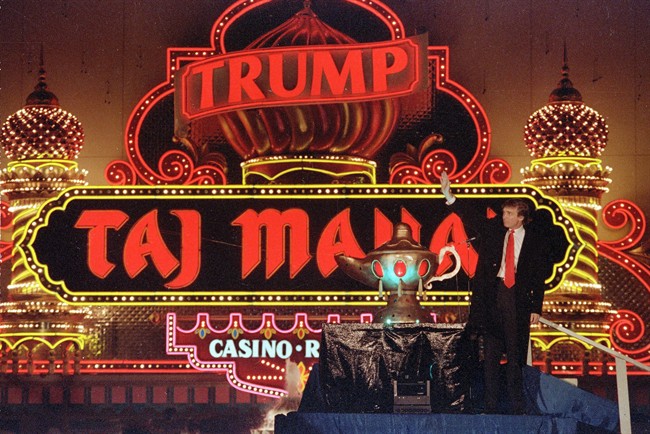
x,y
350,390
360,423
555,407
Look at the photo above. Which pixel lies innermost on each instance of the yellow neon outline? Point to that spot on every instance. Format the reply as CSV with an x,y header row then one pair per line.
x,y
302,191
261,303
598,337
590,247
248,168
583,212
554,161
25,213
586,276
372,176
590,262
588,230
37,164
22,275
79,338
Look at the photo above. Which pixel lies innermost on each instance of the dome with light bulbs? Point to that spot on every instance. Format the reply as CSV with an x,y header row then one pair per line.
x,y
42,129
566,127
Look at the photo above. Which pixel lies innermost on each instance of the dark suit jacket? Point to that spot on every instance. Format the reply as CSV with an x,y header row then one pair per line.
x,y
533,267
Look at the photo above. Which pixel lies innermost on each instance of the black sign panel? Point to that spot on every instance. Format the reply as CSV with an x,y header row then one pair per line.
x,y
261,245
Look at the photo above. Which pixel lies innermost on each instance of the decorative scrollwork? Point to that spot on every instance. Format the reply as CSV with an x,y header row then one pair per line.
x,y
209,175
628,328
425,164
619,213
120,173
438,161
496,171
177,167
422,165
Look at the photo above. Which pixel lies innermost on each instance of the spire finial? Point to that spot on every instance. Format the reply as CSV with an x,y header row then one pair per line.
x,y
42,96
565,90
565,64
41,85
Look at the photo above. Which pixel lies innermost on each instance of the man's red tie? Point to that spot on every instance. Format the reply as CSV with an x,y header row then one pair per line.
x,y
509,277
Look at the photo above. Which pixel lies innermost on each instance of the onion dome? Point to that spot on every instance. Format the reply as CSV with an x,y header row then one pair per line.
x,y
565,127
304,28
42,129
356,129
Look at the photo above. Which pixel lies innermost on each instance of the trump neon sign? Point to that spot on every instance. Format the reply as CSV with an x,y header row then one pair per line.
x,y
299,75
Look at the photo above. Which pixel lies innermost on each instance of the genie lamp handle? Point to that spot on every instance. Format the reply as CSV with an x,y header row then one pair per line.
x,y
452,273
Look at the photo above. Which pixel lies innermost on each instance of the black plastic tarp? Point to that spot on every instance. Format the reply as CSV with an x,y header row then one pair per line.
x,y
358,363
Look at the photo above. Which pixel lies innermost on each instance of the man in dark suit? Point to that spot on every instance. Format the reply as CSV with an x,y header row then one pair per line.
x,y
507,295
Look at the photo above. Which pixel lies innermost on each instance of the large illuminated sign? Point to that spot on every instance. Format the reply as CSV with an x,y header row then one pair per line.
x,y
207,245
301,75
256,359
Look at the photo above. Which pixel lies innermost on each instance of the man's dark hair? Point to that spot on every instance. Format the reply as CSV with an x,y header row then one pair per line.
x,y
523,209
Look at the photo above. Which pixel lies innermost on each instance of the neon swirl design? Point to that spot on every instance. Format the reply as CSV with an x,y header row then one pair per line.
x,y
619,213
628,328
406,169
613,250
177,167
120,173
496,171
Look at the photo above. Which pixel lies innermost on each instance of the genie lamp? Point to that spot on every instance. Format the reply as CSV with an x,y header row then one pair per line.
x,y
404,270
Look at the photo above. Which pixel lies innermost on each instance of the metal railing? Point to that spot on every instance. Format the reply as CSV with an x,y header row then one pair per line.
x,y
624,418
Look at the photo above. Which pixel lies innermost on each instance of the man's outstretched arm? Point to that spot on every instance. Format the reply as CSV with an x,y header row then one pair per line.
x,y
445,188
